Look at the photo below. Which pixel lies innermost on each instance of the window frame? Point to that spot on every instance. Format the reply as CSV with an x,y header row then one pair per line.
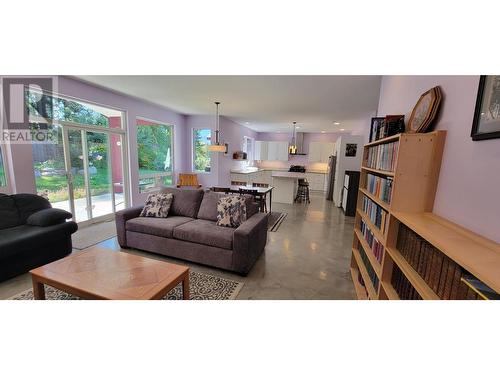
x,y
4,166
159,175
193,150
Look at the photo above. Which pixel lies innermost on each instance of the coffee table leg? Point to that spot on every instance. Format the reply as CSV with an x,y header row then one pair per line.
x,y
38,290
185,287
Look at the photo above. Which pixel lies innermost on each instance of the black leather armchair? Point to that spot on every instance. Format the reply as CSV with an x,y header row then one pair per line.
x,y
32,233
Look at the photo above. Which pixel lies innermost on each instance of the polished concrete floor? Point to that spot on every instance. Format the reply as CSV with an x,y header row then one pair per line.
x,y
307,258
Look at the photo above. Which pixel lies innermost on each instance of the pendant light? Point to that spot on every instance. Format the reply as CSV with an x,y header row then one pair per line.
x,y
292,149
217,146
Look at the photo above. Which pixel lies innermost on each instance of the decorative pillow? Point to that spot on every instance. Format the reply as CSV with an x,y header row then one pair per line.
x,y
231,211
157,205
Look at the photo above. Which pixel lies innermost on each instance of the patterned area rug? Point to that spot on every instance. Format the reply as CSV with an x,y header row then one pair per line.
x,y
202,287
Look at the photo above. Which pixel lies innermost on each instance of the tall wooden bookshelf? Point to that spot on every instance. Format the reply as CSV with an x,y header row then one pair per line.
x,y
414,175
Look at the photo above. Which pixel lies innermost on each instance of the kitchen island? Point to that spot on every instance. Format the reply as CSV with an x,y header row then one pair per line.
x,y
285,186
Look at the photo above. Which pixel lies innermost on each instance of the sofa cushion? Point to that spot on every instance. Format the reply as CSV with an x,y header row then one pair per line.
x,y
48,216
231,211
28,204
157,205
162,227
9,215
208,207
186,201
205,232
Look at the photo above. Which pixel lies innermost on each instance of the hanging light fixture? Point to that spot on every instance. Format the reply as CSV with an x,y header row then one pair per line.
x,y
292,149
217,146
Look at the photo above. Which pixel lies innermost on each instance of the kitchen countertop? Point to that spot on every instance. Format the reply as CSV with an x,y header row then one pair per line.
x,y
289,174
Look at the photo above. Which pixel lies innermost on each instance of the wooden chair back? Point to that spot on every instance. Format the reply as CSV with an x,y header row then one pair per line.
x,y
239,183
260,184
220,190
188,180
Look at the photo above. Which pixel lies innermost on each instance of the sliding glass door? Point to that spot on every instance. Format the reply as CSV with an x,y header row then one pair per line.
x,y
84,170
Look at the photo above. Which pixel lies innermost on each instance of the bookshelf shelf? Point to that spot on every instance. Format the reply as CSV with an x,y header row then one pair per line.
x,y
389,291
418,283
360,292
369,253
478,255
377,200
379,171
378,234
416,161
364,274
392,138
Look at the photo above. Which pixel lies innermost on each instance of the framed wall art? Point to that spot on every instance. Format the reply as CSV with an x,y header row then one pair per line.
x,y
486,123
425,111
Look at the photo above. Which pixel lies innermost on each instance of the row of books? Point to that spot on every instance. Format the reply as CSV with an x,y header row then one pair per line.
x,y
383,156
402,286
371,272
382,127
375,245
441,273
380,187
378,216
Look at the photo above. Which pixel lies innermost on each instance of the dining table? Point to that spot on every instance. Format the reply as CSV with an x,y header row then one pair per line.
x,y
257,190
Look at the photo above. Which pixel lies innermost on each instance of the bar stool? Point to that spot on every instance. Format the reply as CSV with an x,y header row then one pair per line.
x,y
303,191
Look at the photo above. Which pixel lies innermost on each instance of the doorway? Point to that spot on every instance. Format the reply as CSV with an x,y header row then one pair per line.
x,y
84,170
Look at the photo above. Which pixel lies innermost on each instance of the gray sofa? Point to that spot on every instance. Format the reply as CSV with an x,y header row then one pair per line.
x,y
190,232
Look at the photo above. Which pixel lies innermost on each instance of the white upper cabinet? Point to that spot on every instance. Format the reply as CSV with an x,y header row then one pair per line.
x,y
261,150
319,152
273,150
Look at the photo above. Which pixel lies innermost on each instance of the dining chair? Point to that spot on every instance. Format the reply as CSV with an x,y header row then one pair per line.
x,y
188,180
261,198
257,197
238,183
224,190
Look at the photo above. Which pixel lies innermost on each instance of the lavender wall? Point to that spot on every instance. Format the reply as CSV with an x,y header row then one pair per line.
x,y
22,157
469,181
231,133
296,159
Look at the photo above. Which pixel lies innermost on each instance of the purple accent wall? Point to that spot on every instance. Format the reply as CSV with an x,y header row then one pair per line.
x,y
231,133
296,159
469,181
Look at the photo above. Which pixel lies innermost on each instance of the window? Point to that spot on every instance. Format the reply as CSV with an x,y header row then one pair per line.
x,y
201,155
3,177
42,105
155,154
248,148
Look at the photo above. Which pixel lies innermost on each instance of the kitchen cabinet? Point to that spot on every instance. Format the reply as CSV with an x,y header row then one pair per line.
x,y
316,181
319,152
271,150
261,150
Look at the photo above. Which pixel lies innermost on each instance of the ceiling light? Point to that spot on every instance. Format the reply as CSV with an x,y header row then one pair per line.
x,y
247,123
336,123
342,130
322,131
217,146
298,127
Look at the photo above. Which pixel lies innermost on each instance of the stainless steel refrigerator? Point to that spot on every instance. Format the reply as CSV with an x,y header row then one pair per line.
x,y
332,163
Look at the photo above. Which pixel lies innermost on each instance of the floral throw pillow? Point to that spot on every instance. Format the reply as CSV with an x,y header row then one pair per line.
x,y
157,205
231,211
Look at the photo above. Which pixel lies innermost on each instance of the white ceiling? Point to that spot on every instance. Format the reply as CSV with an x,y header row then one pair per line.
x,y
262,103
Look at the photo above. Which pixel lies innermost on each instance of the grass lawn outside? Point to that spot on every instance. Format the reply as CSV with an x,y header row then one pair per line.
x,y
57,186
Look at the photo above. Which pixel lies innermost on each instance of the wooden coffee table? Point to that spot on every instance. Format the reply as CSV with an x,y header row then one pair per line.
x,y
105,274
